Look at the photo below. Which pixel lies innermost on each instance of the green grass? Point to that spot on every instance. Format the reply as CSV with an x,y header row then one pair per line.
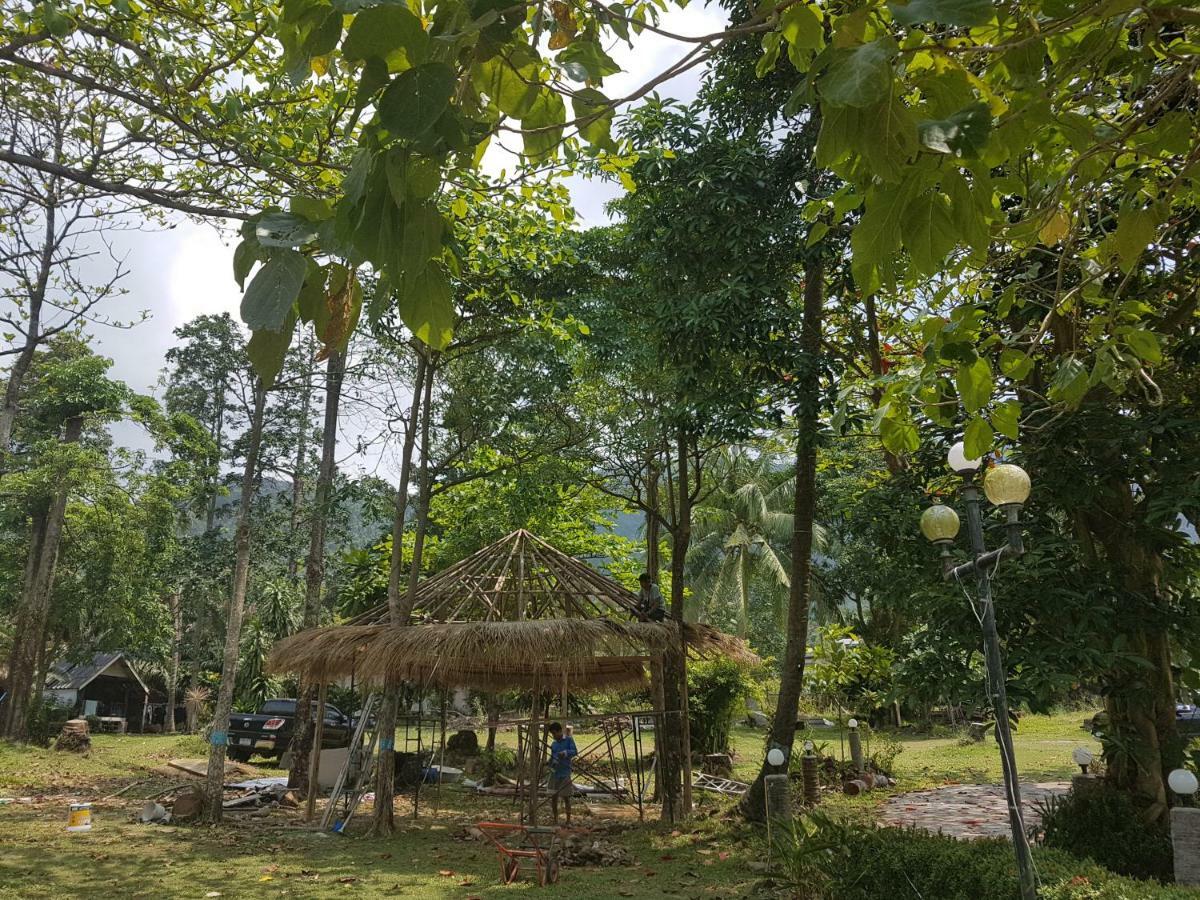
x,y
268,858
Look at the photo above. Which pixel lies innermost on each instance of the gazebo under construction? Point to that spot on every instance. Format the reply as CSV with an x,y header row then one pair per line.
x,y
516,615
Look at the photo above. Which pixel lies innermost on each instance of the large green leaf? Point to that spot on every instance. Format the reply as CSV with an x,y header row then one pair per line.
x,y
416,98
974,383
1145,344
1006,418
596,115
898,435
426,305
978,437
861,76
928,231
390,33
963,134
1135,230
547,116
280,229
267,350
877,236
1070,381
420,237
591,56
801,26
272,291
944,12
510,80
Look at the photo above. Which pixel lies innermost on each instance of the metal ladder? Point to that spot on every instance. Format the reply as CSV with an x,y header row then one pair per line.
x,y
355,777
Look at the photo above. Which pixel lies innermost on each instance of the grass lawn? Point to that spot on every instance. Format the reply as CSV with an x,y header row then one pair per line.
x,y
430,858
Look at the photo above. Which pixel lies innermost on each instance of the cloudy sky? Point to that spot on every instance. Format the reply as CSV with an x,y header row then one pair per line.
x,y
184,271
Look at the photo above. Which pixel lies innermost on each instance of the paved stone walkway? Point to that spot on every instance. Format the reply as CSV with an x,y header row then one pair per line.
x,y
966,810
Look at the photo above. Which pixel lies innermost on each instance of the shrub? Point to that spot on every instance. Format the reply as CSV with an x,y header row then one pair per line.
x,y
1102,824
822,859
716,690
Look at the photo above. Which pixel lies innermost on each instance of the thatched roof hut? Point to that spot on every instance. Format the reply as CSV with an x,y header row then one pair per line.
x,y
516,614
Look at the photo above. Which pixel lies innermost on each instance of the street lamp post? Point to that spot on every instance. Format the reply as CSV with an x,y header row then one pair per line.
x,y
1006,486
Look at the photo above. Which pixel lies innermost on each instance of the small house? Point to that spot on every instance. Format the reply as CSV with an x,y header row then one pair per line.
x,y
106,686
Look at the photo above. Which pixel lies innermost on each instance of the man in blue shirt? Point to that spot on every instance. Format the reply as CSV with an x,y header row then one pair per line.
x,y
562,751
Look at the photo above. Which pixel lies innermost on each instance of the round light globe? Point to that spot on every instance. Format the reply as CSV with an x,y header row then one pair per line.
x,y
1006,485
939,523
1183,782
958,462
808,746
1082,756
853,723
775,756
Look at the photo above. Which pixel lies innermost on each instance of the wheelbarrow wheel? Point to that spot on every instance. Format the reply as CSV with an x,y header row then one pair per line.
x,y
552,872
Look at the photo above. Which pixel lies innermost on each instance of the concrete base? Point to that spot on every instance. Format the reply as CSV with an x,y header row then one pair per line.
x,y
1185,841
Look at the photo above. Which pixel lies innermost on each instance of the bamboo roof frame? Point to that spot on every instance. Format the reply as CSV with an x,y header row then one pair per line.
x,y
519,577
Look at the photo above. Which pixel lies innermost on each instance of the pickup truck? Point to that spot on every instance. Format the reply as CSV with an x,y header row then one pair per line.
x,y
268,732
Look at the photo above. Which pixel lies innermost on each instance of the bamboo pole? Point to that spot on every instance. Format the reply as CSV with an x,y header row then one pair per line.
x,y
314,758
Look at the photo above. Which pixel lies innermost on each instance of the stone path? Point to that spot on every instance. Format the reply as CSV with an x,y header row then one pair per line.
x,y
966,810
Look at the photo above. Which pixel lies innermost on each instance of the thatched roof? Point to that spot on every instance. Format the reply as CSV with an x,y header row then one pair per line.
x,y
589,653
515,614
519,577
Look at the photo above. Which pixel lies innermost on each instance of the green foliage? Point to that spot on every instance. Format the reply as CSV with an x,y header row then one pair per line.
x,y
824,858
717,690
848,673
1103,825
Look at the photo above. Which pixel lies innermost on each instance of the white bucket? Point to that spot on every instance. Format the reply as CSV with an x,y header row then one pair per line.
x,y
79,817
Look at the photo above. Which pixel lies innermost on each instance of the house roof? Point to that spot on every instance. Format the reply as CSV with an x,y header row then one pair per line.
x,y
65,676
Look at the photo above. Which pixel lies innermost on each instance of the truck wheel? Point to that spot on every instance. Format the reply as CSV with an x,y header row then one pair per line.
x,y
239,755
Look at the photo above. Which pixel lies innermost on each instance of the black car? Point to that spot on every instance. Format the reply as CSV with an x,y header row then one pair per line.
x,y
268,732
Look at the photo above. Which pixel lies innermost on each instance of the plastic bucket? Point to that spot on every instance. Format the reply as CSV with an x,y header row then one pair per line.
x,y
79,817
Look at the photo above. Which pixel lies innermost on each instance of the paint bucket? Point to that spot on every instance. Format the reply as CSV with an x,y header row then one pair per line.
x,y
79,817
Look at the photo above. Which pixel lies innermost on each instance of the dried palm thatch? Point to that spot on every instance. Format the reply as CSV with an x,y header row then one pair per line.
x,y
517,578
588,653
515,614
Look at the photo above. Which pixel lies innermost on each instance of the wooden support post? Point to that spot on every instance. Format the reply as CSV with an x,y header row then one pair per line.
x,y
314,758
534,740
562,706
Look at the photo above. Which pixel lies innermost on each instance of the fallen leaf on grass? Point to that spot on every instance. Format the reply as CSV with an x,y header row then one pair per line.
x,y
723,855
213,894
466,883
666,857
446,873
347,879
385,856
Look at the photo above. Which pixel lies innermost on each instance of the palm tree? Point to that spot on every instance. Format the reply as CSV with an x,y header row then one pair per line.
x,y
741,536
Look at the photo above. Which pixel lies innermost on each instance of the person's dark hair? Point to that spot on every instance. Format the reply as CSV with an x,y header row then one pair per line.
x,y
645,576
555,727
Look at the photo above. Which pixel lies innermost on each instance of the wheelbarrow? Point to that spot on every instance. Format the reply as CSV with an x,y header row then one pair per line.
x,y
529,848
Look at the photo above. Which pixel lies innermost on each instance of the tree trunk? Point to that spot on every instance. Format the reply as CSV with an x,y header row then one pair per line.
x,y
29,633
176,609
219,739
385,787
681,539
314,572
783,727
306,392
653,565
1141,706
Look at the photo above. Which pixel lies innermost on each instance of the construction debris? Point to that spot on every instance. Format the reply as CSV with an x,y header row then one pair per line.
x,y
584,850
727,787
198,768
154,814
74,737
